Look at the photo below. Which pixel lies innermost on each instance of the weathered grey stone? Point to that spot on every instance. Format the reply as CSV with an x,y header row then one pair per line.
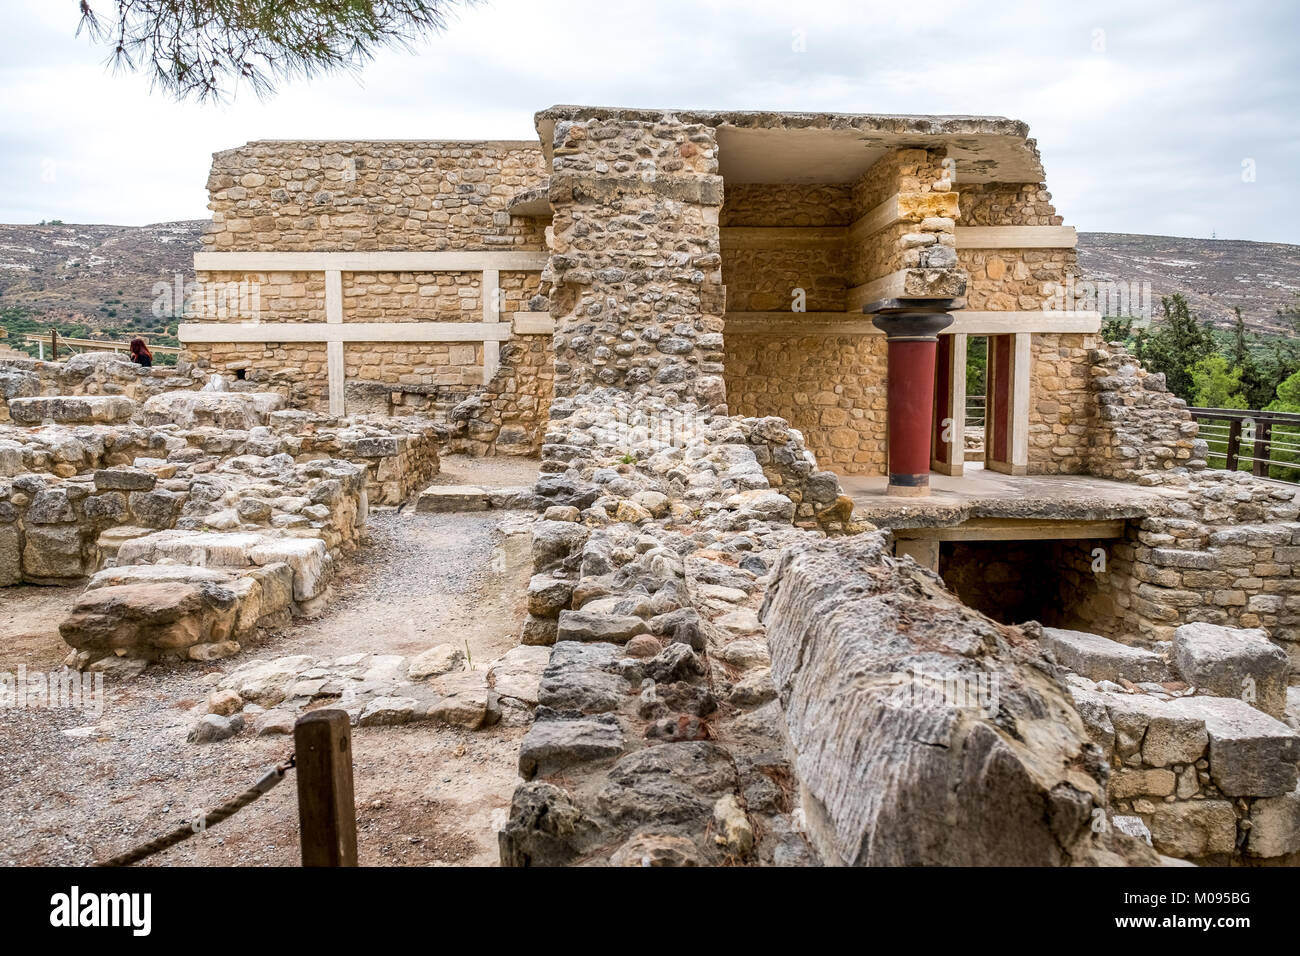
x,y
592,626
555,541
518,674
1251,754
1099,658
668,784
437,660
214,727
1275,826
52,551
548,596
1194,829
1233,662
883,768
124,479
554,745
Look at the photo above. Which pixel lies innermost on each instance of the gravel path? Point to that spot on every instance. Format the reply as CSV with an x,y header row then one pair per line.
x,y
76,787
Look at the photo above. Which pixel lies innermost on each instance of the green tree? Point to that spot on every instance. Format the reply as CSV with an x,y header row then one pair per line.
x,y
198,48
1216,384
1176,344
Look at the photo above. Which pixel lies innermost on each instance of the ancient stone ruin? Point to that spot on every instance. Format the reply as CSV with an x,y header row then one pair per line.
x,y
781,609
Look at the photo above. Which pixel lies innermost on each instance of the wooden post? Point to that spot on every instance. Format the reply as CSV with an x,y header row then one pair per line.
x,y
327,817
54,345
1234,444
1263,439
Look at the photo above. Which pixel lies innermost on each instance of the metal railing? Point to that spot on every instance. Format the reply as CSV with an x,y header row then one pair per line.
x,y
1258,439
976,410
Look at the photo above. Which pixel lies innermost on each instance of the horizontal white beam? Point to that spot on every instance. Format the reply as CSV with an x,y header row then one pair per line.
x,y
1016,237
369,261
964,322
206,332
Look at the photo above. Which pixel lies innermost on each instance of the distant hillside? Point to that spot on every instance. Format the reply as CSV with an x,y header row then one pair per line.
x,y
1214,274
103,276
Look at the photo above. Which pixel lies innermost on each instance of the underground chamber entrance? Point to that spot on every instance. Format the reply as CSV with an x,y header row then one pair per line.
x,y
1059,583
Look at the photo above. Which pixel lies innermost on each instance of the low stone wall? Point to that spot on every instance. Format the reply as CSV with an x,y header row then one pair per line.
x,y
90,373
1201,764
656,737
1138,426
202,516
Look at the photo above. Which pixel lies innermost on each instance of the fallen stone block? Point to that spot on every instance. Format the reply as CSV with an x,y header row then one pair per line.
x,y
1233,662
1099,658
150,620
885,764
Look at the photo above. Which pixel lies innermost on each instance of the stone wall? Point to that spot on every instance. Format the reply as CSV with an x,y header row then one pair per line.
x,y
832,388
636,286
1138,426
293,196
1060,404
314,196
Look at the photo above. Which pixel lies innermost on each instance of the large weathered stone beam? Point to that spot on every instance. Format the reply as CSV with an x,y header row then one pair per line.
x,y
924,733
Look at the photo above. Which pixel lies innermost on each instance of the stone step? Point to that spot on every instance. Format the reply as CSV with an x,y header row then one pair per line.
x,y
444,498
1099,658
1251,753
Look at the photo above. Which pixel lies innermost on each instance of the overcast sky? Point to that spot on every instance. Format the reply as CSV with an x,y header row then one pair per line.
x,y
1151,116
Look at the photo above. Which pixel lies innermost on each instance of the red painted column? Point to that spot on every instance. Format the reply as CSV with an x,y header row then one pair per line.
x,y
911,328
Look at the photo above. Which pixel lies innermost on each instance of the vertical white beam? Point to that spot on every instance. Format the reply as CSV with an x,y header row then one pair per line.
x,y
334,350
957,408
490,289
1020,405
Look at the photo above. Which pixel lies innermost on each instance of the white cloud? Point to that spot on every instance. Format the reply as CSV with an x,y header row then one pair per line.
x,y
1143,112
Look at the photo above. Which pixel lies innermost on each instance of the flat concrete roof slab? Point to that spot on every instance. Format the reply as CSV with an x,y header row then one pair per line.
x,y
780,147
986,494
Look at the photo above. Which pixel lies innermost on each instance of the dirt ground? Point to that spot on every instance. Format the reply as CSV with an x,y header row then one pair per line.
x,y
496,472
76,787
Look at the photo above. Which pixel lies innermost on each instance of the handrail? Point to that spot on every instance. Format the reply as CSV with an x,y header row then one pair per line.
x,y
1226,427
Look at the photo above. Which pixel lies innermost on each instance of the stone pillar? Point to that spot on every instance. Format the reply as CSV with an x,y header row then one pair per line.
x,y
636,265
911,328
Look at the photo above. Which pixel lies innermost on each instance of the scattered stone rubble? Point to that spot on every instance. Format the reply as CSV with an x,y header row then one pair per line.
x,y
198,516
266,696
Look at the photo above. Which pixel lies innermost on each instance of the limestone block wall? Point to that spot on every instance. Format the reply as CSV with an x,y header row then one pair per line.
x,y
637,289
1060,404
312,196
832,388
384,196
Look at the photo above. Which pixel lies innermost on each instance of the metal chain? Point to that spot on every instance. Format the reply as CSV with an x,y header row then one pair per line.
x,y
262,786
